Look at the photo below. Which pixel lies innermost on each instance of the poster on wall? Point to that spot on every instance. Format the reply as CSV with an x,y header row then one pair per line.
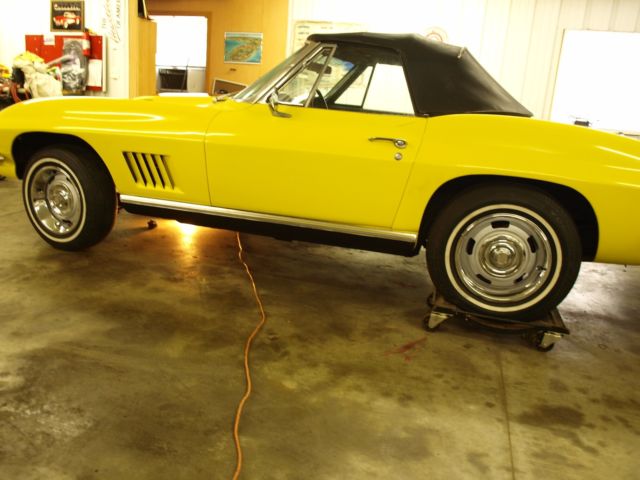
x,y
242,47
73,68
67,16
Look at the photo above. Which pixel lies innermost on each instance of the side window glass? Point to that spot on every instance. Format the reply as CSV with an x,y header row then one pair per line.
x,y
356,78
335,73
388,91
354,95
374,82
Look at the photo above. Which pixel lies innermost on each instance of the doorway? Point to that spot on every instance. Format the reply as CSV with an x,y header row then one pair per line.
x,y
181,53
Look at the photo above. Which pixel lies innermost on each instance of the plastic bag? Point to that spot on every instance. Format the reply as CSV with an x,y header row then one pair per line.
x,y
37,80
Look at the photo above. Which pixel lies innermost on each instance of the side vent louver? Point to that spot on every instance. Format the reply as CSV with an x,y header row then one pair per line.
x,y
149,170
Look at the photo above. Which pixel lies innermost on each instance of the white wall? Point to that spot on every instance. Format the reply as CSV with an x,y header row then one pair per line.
x,y
517,41
112,20
107,17
182,41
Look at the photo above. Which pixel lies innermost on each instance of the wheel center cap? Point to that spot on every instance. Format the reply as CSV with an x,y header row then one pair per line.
x,y
61,201
502,256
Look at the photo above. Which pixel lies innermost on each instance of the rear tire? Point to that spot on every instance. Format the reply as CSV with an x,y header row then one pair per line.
x,y
69,196
511,252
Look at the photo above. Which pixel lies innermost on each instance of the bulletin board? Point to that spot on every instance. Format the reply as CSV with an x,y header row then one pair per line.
x,y
598,80
303,28
49,47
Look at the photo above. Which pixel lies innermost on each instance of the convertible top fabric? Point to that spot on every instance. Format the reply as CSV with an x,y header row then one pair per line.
x,y
443,79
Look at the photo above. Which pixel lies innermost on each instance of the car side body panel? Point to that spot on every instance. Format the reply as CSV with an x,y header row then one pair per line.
x,y
603,167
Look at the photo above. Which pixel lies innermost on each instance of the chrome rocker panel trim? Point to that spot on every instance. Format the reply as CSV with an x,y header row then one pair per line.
x,y
406,237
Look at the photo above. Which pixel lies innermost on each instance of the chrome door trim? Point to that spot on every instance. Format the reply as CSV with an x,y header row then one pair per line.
x,y
407,237
294,62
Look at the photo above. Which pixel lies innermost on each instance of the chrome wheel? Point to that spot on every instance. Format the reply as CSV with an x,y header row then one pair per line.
x,y
55,199
503,257
69,196
508,251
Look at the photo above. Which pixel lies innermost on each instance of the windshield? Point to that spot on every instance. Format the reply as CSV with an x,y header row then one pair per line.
x,y
254,91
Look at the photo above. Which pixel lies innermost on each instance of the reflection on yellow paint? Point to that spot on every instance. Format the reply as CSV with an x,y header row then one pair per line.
x,y
111,116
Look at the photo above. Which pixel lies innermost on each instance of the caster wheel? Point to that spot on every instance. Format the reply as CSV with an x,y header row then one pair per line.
x,y
540,348
537,339
427,327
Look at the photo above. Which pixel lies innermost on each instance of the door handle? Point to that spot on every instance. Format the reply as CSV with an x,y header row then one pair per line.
x,y
398,142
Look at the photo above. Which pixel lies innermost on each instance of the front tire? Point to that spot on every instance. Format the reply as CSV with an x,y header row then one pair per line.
x,y
69,196
504,252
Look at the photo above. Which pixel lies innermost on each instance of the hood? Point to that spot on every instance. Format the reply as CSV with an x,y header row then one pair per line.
x,y
75,115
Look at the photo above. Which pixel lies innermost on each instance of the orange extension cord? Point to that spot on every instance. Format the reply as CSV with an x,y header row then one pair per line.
x,y
247,371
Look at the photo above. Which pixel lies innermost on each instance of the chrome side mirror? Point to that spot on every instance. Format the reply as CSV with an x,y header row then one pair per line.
x,y
273,102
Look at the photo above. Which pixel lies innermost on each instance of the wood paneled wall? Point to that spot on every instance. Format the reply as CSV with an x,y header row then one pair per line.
x,y
142,54
518,41
269,17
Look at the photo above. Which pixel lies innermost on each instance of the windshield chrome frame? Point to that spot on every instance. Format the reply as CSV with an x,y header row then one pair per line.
x,y
298,59
309,55
301,60
324,68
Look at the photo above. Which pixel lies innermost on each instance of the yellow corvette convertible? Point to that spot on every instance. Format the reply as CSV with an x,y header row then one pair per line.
x,y
382,142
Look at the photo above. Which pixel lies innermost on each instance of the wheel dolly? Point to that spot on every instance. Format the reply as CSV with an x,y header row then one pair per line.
x,y
542,333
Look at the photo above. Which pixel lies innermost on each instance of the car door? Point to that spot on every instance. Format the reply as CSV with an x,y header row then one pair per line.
x,y
338,146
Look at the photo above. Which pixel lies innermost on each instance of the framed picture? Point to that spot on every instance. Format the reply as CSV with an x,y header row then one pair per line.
x,y
67,16
242,47
222,87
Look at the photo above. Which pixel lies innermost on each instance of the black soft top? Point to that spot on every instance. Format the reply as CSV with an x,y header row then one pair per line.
x,y
443,79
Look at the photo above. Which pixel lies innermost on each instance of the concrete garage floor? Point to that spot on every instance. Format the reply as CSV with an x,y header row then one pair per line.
x,y
125,362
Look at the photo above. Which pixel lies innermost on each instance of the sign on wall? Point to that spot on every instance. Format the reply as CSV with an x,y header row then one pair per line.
x,y
113,19
67,16
303,28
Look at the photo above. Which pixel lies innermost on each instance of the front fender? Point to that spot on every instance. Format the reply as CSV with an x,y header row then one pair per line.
x,y
166,126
